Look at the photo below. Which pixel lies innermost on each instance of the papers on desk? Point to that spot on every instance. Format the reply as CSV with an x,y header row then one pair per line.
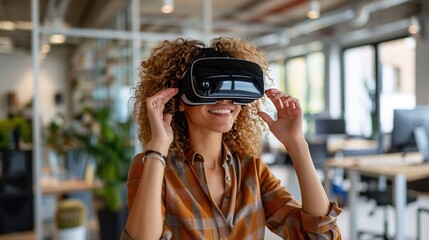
x,y
393,160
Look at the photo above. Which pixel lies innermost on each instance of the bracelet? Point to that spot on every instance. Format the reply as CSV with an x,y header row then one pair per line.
x,y
152,151
154,155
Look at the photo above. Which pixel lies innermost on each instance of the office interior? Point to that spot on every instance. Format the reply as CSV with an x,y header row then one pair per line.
x,y
69,67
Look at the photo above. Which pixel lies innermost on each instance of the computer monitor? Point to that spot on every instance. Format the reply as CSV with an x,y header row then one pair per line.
x,y
409,128
329,126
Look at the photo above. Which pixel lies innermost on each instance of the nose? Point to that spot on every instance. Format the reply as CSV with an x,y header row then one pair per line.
x,y
229,101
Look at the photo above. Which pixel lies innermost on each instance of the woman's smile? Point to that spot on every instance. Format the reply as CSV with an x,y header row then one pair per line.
x,y
221,110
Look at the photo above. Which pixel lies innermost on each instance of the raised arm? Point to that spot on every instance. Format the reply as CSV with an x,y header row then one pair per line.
x,y
145,218
288,129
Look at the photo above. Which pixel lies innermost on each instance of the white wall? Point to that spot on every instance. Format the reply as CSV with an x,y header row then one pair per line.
x,y
16,75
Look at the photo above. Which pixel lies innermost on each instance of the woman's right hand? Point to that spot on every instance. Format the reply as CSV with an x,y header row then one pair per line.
x,y
162,133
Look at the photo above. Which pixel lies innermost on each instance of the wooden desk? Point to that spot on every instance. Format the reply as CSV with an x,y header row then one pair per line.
x,y
28,235
392,166
66,186
335,145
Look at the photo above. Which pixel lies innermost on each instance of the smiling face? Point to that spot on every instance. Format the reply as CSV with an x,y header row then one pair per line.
x,y
217,117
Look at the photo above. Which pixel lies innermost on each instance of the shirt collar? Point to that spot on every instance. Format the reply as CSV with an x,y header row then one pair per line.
x,y
191,156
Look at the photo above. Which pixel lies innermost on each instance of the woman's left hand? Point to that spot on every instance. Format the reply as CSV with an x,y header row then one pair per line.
x,y
288,126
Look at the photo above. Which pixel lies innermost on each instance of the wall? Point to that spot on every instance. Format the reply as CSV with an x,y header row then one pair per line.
x,y
16,76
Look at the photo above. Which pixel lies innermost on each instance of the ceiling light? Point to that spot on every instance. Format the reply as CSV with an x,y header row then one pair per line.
x,y
7,25
314,9
167,6
362,16
414,27
57,38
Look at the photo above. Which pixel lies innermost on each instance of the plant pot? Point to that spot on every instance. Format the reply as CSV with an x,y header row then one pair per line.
x,y
112,223
76,233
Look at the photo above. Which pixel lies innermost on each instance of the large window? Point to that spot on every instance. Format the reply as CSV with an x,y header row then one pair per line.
x,y
305,80
359,90
398,89
393,81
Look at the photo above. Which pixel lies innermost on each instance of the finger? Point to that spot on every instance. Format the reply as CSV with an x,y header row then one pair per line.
x,y
287,100
161,98
267,118
292,102
277,97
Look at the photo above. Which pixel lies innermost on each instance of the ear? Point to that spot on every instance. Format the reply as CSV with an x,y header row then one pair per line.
x,y
181,106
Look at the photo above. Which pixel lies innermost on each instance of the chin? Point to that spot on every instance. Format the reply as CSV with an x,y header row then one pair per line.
x,y
222,129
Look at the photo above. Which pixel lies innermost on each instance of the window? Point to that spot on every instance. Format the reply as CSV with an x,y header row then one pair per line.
x,y
305,80
359,90
398,89
394,81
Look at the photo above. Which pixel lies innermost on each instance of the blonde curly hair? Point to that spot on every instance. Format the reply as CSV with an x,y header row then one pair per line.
x,y
164,68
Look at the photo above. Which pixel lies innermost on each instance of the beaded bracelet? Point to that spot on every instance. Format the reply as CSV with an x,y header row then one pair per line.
x,y
154,155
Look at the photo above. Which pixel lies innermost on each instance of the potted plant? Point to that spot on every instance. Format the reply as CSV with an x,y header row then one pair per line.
x,y
13,131
70,219
109,142
59,139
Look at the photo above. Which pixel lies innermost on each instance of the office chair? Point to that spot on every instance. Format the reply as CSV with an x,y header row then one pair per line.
x,y
382,197
420,187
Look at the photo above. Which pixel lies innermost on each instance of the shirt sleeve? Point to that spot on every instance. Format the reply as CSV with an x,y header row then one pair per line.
x,y
284,215
133,181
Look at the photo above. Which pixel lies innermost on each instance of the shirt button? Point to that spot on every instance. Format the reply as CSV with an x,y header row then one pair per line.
x,y
228,178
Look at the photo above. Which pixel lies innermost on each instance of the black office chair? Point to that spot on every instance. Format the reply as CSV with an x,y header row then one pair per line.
x,y
420,187
382,198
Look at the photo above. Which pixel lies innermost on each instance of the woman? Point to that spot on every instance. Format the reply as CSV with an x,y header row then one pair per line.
x,y
213,184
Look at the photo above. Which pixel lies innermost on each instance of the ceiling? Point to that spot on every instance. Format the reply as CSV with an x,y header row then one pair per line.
x,y
269,24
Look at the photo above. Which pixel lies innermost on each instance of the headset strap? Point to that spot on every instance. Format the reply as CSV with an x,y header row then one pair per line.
x,y
211,52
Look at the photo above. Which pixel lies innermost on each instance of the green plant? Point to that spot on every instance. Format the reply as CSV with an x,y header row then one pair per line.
x,y
60,137
17,126
109,142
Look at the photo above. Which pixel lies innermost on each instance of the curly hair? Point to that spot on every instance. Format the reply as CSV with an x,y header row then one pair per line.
x,y
164,68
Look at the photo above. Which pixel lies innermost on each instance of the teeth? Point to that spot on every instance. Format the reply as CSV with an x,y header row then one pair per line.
x,y
220,111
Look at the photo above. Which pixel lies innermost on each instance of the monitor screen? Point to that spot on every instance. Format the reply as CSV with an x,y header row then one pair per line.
x,y
329,126
405,122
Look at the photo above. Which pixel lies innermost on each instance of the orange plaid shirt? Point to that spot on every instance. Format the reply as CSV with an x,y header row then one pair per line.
x,y
253,199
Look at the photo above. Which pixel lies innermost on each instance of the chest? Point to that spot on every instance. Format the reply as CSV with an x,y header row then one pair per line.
x,y
216,184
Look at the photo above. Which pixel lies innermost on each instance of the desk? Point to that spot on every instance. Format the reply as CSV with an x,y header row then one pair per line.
x,y
335,145
394,167
66,186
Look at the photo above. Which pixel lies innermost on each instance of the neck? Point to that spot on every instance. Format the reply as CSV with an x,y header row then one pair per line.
x,y
209,145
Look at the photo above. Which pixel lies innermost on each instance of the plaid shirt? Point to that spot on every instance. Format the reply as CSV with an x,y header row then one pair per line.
x,y
253,199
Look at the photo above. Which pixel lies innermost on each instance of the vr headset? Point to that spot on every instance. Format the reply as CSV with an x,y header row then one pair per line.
x,y
215,77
